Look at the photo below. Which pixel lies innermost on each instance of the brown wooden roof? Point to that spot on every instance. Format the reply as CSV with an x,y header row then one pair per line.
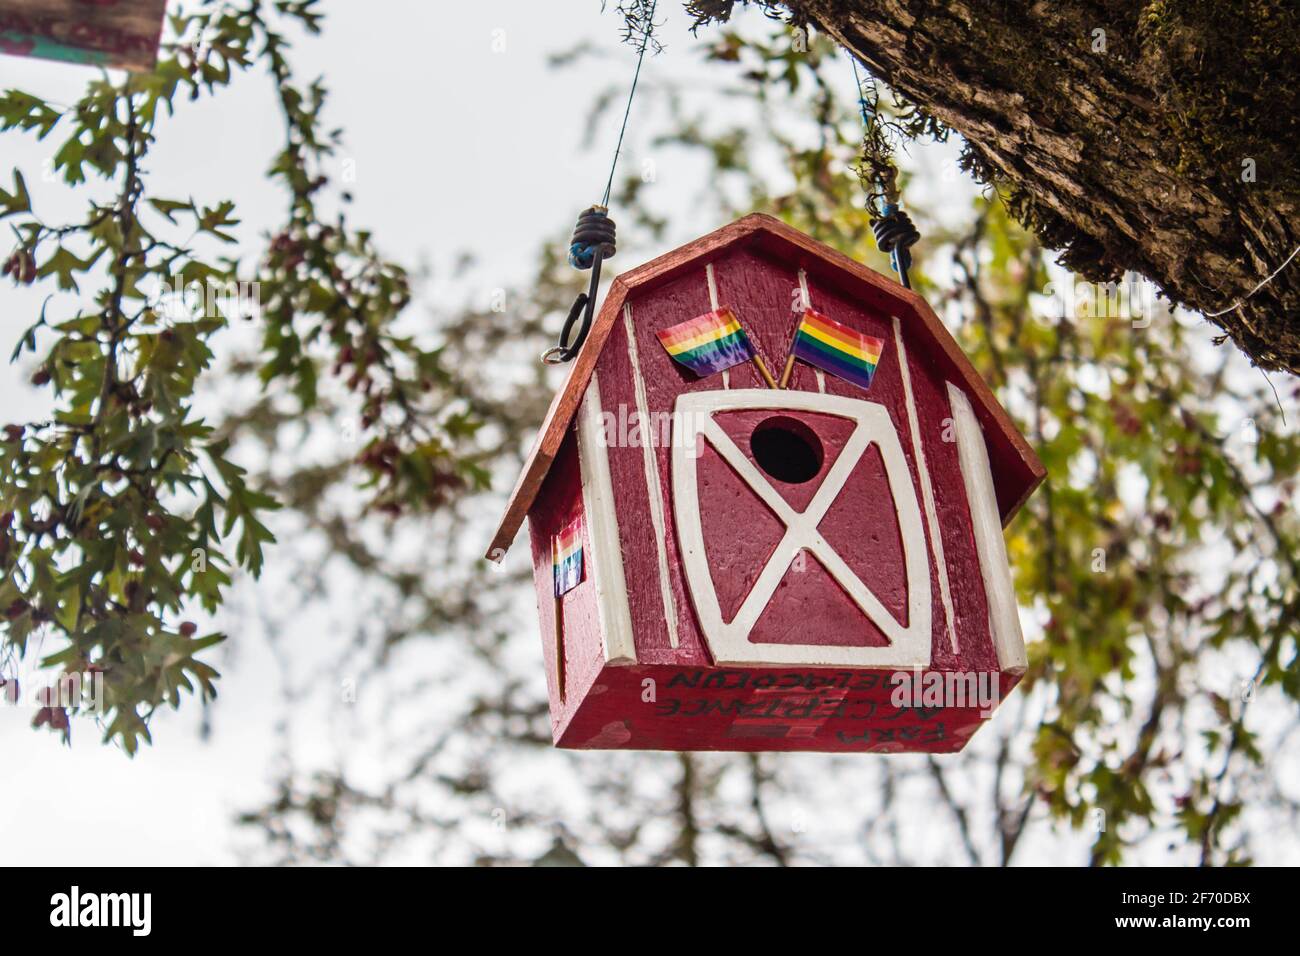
x,y
772,235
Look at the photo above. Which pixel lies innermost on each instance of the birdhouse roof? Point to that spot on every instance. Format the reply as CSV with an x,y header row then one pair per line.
x,y
1016,468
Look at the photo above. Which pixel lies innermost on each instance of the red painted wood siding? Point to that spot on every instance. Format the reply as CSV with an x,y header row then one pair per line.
x,y
761,291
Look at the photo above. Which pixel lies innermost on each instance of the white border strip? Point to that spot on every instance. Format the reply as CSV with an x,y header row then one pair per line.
x,y
1004,617
606,568
652,478
713,304
927,490
807,304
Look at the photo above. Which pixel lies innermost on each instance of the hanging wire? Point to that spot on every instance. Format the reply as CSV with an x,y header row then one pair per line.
x,y
871,133
895,233
594,237
647,30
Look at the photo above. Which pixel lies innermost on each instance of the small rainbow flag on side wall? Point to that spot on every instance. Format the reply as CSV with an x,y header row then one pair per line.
x,y
837,348
708,343
566,556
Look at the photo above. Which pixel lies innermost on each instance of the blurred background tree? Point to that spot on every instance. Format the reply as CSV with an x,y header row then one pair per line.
x,y
1157,568
1151,136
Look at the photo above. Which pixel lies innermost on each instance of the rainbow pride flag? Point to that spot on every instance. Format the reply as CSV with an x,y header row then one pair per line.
x,y
566,556
837,348
708,343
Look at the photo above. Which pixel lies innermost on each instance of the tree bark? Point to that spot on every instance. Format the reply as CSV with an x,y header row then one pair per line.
x,y
1161,137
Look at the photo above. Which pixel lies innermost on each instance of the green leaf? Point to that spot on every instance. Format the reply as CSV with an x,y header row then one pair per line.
x,y
19,110
17,201
169,206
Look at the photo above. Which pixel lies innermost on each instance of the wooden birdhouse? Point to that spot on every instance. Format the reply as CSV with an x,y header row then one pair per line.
x,y
721,564
110,33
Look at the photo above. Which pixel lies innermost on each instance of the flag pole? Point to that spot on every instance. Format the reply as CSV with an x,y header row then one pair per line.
x,y
807,307
789,359
789,367
762,370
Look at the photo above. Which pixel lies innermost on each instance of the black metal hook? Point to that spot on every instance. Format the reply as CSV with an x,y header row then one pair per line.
x,y
593,242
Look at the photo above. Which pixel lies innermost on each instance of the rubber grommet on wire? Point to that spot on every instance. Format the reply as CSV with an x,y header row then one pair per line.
x,y
594,232
895,230
895,235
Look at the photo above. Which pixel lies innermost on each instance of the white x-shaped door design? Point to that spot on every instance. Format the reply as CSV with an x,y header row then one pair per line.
x,y
729,640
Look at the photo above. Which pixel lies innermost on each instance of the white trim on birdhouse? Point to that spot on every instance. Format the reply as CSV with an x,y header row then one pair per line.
x,y
606,564
654,490
927,489
1004,618
713,287
803,290
729,640
713,304
806,296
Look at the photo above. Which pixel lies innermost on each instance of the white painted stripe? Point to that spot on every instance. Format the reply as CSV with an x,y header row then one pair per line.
x,y
1004,618
927,490
713,304
652,477
606,566
807,304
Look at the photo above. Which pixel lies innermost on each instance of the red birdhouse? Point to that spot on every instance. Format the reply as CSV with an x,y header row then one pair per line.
x,y
112,33
726,565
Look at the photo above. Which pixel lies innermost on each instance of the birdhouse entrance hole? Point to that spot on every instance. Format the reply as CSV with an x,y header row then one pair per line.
x,y
787,449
